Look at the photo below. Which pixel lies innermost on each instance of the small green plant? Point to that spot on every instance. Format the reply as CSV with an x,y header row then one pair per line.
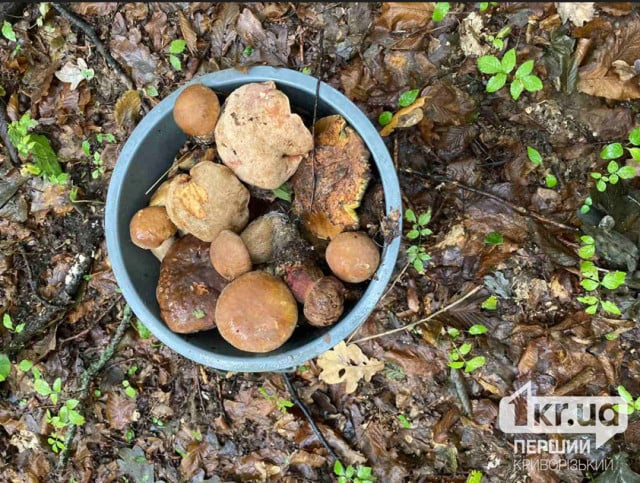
x,y
591,282
406,99
534,156
247,51
523,78
7,32
157,422
5,367
404,421
198,313
129,390
283,193
176,47
491,303
474,477
56,441
96,156
416,253
458,352
494,238
141,329
129,435
8,324
36,148
67,415
629,406
615,173
588,247
497,41
440,11
281,404
359,474
485,5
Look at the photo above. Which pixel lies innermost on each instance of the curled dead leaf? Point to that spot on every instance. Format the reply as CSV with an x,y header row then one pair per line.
x,y
188,33
405,117
127,108
347,363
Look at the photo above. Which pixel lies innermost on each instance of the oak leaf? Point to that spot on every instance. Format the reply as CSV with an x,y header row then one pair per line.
x,y
347,363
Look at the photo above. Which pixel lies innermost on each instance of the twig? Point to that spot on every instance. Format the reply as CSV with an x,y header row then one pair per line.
x,y
4,134
518,209
307,414
91,33
422,321
88,375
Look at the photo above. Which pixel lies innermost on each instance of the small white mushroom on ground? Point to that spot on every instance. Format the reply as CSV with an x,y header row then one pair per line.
x,y
208,200
259,138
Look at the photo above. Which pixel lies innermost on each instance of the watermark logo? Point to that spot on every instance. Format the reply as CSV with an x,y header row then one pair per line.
x,y
562,414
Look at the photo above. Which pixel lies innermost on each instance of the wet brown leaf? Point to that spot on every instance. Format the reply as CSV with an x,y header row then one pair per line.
x,y
404,15
136,57
94,8
347,363
406,117
127,108
188,33
121,411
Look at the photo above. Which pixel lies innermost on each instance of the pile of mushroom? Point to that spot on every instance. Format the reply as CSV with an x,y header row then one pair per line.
x,y
231,257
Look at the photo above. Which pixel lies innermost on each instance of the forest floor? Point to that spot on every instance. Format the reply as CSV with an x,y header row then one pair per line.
x,y
504,223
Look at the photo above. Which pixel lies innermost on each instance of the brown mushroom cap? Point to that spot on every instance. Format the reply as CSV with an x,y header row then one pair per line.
x,y
229,255
352,256
256,312
208,201
325,302
188,287
196,110
151,226
259,138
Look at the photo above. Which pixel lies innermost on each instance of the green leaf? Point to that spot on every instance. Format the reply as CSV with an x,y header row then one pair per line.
x,y
440,11
42,387
489,64
588,300
350,471
626,172
508,61
611,336
72,403
177,46
525,69
534,155
624,394
589,284
364,472
418,265
613,167
25,365
151,91
601,186
494,238
86,147
516,89
247,51
283,192
385,118
584,209
596,175
408,98
454,356
612,151
453,332
409,215
591,309
610,307
496,82
483,6
636,405
474,477
551,181
623,408
57,385
5,367
589,270
426,232
613,280
424,218
456,365
475,363
175,62
76,418
477,329
634,137
587,240
635,153
587,251
465,348
491,303
338,469
7,32
7,322
413,234
532,83
131,392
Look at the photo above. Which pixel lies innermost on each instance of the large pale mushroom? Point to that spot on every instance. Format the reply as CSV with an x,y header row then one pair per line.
x,y
259,138
207,201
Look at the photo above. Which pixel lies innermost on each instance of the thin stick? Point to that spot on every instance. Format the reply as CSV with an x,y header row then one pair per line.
x,y
422,321
88,375
307,414
508,204
91,33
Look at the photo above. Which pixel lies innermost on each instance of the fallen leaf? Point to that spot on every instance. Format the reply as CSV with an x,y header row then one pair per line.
x,y
94,8
404,15
127,108
136,57
74,74
577,12
120,411
347,363
188,33
134,463
405,117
